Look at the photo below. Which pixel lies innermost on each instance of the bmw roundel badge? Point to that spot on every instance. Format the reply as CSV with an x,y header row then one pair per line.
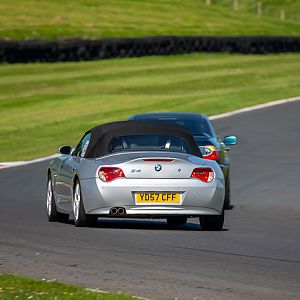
x,y
158,168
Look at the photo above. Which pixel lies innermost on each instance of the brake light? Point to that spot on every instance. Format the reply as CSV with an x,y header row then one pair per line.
x,y
210,152
107,174
158,159
204,174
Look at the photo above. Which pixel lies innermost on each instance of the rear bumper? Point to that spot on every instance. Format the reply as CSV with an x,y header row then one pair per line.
x,y
157,212
197,198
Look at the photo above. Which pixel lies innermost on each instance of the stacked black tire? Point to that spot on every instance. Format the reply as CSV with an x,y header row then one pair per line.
x,y
80,50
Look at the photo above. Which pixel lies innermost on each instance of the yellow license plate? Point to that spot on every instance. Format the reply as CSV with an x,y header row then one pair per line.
x,y
157,198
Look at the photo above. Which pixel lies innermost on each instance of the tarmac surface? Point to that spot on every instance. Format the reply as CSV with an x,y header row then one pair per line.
x,y
256,256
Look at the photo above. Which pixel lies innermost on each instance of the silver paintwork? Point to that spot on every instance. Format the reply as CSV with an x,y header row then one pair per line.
x,y
197,197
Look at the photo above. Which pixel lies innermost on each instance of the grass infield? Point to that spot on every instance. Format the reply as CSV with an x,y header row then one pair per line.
x,y
43,106
23,288
56,19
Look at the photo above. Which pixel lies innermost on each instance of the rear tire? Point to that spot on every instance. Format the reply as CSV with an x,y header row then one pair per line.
x,y
212,223
227,202
177,221
52,213
81,219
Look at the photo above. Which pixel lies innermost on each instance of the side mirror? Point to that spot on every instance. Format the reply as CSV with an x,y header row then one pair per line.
x,y
66,150
230,140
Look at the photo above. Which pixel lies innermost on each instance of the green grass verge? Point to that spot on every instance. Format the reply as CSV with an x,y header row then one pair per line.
x,y
269,8
35,19
43,106
21,288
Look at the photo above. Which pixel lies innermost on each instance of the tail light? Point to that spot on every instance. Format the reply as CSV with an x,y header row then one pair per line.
x,y
204,174
107,174
210,152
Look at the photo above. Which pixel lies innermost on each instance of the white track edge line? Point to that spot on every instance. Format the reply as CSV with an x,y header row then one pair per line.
x,y
4,165
254,107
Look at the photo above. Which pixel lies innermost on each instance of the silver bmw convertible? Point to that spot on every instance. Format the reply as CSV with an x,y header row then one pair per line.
x,y
135,169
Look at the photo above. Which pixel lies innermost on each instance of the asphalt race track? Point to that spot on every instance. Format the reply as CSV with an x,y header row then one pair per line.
x,y
256,256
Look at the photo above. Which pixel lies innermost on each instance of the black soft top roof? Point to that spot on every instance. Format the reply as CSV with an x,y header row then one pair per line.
x,y
102,135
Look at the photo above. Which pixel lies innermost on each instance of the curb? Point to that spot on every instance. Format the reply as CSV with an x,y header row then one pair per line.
x,y
4,165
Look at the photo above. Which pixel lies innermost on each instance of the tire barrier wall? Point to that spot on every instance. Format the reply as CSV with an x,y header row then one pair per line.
x,y
79,49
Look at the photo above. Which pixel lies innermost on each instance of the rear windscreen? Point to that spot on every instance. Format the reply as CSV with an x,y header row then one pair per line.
x,y
148,143
196,126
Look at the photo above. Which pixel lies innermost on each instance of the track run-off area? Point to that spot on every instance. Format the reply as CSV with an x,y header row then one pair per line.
x,y
256,256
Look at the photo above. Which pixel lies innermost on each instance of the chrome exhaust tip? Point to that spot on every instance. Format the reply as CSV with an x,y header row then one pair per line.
x,y
121,211
117,211
113,211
